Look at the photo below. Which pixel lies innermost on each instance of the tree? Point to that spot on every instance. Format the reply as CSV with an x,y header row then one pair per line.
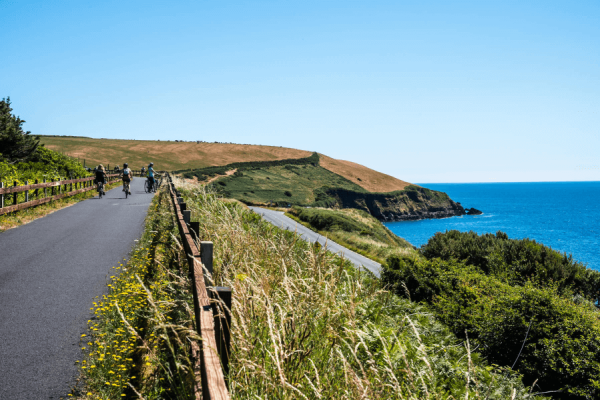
x,y
15,144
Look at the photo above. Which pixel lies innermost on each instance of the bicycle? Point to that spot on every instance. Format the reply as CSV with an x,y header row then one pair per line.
x,y
126,187
100,189
148,187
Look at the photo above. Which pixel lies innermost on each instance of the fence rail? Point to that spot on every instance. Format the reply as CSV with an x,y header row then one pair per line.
x,y
81,185
213,350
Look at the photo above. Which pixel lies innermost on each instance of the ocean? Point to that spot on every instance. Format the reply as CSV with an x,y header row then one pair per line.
x,y
562,215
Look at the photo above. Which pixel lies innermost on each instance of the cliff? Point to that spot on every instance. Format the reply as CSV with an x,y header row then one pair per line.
x,y
412,203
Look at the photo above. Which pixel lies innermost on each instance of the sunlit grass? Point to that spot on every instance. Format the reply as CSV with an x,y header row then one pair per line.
x,y
308,325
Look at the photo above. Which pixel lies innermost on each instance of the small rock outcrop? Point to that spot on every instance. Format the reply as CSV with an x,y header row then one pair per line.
x,y
473,211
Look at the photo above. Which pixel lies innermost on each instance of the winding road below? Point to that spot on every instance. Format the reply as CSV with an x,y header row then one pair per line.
x,y
50,272
278,218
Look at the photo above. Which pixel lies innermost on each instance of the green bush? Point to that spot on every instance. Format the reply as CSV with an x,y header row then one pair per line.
x,y
515,261
328,220
562,350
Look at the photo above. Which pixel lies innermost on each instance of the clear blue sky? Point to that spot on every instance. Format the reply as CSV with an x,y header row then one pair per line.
x,y
427,91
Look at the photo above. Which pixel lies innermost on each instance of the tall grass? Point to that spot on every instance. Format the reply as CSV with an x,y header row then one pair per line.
x,y
307,325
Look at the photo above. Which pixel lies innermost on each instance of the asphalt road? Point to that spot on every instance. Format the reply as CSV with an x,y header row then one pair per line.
x,y
50,272
278,218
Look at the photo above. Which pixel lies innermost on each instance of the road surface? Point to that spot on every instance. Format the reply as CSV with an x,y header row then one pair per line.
x,y
50,272
278,218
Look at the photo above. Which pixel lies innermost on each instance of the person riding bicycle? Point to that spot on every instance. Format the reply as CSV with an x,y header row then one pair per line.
x,y
150,174
100,177
143,171
126,176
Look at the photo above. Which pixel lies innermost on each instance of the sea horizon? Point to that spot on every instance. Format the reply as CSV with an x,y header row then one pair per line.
x,y
562,215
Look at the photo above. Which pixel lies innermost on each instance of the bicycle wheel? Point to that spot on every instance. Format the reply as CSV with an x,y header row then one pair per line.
x,y
126,191
147,186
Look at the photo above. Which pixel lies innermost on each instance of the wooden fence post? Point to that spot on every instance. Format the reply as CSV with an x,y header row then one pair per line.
x,y
15,199
1,196
194,230
37,191
26,192
206,256
221,307
187,215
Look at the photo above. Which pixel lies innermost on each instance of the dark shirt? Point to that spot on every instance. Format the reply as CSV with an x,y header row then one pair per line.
x,y
100,176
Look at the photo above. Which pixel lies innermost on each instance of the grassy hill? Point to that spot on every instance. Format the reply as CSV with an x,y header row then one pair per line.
x,y
262,175
171,155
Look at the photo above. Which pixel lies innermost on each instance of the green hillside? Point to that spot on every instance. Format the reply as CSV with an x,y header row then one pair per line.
x,y
304,182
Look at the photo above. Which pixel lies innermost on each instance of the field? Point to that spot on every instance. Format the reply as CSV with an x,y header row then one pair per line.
x,y
171,156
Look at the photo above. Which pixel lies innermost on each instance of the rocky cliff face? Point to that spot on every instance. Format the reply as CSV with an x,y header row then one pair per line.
x,y
412,203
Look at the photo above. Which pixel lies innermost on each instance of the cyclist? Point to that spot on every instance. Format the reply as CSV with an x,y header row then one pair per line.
x,y
126,175
100,179
150,175
143,171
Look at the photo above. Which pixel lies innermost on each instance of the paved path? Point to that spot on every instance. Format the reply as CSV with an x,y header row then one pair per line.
x,y
279,219
50,271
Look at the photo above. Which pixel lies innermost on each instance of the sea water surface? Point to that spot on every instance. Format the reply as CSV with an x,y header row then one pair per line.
x,y
562,215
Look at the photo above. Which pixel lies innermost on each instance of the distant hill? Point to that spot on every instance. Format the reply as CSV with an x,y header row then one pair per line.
x,y
261,175
171,155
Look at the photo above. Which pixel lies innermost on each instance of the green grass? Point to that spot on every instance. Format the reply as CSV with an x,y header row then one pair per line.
x,y
270,184
354,229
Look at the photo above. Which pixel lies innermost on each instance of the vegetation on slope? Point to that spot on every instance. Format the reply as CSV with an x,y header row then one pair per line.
x,y
305,182
502,293
306,324
516,261
283,185
354,229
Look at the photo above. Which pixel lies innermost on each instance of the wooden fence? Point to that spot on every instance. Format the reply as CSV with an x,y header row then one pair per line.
x,y
58,189
212,307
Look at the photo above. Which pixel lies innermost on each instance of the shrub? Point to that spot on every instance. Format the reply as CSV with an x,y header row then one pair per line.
x,y
515,261
562,350
288,193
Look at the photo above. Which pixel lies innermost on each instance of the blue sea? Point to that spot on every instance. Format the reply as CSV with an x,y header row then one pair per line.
x,y
562,215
